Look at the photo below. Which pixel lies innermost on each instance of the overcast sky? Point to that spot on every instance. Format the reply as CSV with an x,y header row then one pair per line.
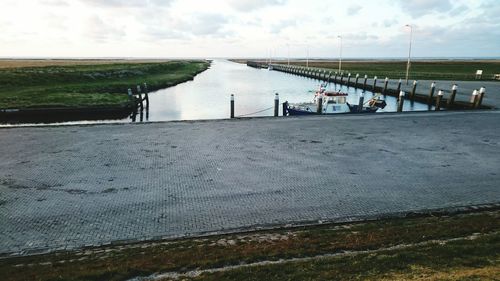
x,y
248,28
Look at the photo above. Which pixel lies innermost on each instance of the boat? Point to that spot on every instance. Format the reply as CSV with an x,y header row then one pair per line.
x,y
330,102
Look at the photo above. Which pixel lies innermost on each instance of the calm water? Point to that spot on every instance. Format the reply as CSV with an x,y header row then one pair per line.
x,y
208,95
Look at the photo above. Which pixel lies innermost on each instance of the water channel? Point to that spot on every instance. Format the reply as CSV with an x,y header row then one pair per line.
x,y
208,95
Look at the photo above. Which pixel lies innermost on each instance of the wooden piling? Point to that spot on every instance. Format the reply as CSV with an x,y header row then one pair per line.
x,y
320,104
348,79
361,102
482,91
399,86
341,77
431,93
285,108
401,101
412,95
335,77
364,84
474,98
374,83
451,99
386,81
356,83
146,93
232,106
438,100
276,104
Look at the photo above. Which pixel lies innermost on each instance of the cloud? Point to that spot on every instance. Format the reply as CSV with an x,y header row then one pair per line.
x,y
419,8
284,24
251,5
390,22
60,3
100,31
127,3
353,10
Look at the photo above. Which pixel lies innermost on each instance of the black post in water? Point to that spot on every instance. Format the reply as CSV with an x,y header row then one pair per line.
x,y
361,101
438,100
276,104
399,86
320,104
374,83
412,95
482,91
146,97
348,79
364,84
341,77
385,85
431,93
474,98
232,106
451,100
285,108
401,101
335,77
356,83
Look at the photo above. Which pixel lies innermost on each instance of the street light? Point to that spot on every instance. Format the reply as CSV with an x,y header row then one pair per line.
x,y
340,55
409,54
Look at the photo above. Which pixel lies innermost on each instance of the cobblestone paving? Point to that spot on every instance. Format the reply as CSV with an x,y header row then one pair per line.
x,y
71,186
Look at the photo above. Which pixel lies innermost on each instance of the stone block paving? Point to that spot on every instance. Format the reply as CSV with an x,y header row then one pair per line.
x,y
71,186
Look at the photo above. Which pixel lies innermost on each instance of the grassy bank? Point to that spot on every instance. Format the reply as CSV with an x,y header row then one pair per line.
x,y
78,84
459,247
420,70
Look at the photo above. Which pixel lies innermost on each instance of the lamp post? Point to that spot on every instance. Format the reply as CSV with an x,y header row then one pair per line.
x,y
409,54
340,53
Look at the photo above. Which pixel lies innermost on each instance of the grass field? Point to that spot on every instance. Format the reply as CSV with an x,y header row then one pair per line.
x,y
457,247
79,84
420,70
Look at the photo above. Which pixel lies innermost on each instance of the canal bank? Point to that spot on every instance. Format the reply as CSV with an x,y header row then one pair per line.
x,y
71,186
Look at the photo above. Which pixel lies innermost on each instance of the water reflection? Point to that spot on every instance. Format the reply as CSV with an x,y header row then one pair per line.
x,y
207,97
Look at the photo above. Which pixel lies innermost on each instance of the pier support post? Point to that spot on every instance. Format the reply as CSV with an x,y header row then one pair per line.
x,y
232,106
412,95
361,102
348,79
335,77
146,92
438,100
374,84
356,83
285,108
364,84
130,95
474,98
320,104
431,93
341,77
276,104
399,86
482,91
451,100
329,77
401,101
386,81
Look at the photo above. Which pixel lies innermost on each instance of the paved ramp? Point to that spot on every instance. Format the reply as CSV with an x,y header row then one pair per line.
x,y
70,186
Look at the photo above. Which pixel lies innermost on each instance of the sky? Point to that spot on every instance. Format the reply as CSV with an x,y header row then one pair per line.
x,y
249,28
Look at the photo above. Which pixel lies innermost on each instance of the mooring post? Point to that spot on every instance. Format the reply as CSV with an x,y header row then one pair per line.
x,y
357,77
364,84
329,77
374,83
130,95
320,104
361,101
335,77
482,91
431,93
438,100
401,101
276,104
412,95
474,98
399,86
285,108
232,106
147,94
385,85
341,77
348,79
451,99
